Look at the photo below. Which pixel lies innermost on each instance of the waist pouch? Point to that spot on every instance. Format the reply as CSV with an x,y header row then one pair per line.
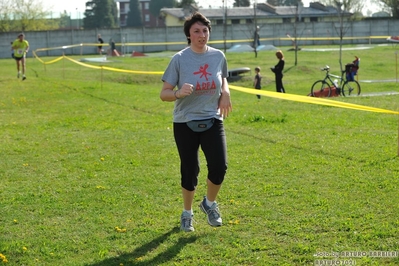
x,y
200,125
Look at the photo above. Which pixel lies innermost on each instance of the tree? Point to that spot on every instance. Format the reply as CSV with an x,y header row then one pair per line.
x,y
134,17
114,12
157,5
343,7
5,15
298,7
65,20
24,15
100,14
238,3
184,3
282,2
393,5
354,6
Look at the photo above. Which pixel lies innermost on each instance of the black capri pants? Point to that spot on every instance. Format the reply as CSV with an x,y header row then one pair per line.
x,y
212,143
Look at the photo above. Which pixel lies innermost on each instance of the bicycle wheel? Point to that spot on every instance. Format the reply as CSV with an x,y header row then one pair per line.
x,y
321,89
351,88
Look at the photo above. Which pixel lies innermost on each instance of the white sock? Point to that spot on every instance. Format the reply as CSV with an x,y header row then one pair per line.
x,y
208,202
189,211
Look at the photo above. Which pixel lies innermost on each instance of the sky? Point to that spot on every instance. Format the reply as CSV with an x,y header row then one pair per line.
x,y
76,8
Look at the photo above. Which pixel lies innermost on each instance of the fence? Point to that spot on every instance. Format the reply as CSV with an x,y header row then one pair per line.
x,y
172,38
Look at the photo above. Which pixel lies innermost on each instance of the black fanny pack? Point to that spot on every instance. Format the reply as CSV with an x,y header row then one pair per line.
x,y
200,125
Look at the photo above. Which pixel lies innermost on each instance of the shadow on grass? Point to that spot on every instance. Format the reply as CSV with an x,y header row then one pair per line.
x,y
135,257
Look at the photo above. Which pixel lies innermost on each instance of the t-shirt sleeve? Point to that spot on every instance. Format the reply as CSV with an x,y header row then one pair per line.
x,y
171,74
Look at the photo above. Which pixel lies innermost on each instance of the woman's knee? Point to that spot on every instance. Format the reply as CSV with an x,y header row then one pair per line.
x,y
216,175
189,185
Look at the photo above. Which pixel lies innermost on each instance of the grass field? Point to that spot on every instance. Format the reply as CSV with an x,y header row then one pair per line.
x,y
90,172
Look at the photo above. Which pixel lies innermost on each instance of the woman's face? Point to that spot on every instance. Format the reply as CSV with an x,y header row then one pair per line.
x,y
199,35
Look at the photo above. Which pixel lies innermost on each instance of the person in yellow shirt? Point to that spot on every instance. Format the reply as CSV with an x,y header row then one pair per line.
x,y
21,48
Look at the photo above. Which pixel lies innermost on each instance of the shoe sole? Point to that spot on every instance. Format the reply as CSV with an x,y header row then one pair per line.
x,y
207,216
185,230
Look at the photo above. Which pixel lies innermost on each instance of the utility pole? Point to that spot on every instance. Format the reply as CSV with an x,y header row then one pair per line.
x,y
77,18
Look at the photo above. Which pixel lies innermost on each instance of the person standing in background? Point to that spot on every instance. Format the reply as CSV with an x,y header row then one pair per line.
x,y
257,80
21,48
113,48
100,47
256,37
278,71
12,50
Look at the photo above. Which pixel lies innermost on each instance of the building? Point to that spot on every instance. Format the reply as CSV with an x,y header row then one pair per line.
x,y
263,13
148,20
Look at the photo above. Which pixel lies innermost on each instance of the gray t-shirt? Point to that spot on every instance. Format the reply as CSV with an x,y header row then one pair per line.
x,y
205,71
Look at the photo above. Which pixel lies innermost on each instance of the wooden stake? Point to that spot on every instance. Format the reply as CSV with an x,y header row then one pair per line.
x,y
63,65
396,55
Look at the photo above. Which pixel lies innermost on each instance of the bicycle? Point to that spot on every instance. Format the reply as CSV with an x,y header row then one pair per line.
x,y
323,88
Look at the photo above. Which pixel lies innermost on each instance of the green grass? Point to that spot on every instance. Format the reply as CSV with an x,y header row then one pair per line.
x,y
90,172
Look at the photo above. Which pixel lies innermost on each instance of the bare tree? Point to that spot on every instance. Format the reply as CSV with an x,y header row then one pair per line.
x,y
297,11
354,6
342,9
393,5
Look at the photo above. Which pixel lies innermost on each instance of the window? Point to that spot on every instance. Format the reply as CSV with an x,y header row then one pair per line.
x,y
314,19
286,20
146,5
124,8
300,19
249,21
219,22
147,17
235,21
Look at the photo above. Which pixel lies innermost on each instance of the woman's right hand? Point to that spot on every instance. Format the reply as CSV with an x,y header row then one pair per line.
x,y
185,90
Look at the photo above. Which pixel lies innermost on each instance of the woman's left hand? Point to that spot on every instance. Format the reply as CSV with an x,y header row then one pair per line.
x,y
225,105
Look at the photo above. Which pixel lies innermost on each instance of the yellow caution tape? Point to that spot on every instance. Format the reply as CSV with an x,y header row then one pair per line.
x,y
116,69
283,96
313,100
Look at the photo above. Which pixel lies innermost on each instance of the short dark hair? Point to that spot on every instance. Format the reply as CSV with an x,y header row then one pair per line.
x,y
194,18
21,34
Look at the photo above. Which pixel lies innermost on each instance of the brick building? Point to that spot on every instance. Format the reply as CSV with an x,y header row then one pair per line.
x,y
148,20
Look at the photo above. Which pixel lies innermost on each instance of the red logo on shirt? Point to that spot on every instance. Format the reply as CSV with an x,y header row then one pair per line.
x,y
203,72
